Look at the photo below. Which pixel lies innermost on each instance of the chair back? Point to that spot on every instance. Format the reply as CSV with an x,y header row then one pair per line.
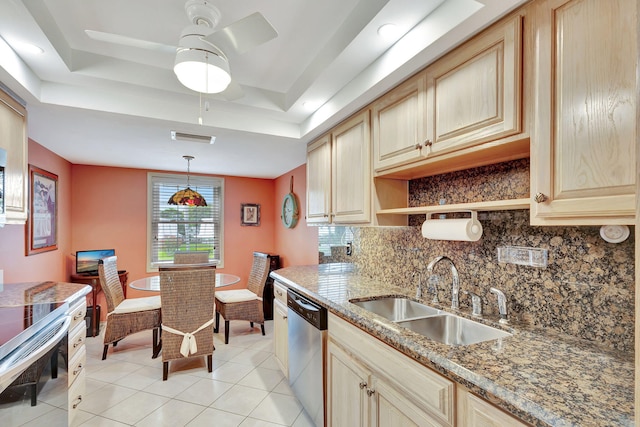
x,y
188,300
110,282
259,273
191,257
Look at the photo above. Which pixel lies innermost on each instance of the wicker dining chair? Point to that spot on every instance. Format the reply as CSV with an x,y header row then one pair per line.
x,y
244,304
191,257
188,293
126,316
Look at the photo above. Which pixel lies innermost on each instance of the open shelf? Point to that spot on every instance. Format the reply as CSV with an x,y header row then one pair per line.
x,y
495,205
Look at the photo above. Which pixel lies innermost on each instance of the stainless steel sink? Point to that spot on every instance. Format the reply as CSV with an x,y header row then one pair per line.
x,y
397,309
453,330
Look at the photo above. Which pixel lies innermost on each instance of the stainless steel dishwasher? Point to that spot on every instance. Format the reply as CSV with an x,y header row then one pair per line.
x,y
307,324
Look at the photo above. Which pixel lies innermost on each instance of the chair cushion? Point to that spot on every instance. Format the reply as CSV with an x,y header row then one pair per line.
x,y
236,295
131,305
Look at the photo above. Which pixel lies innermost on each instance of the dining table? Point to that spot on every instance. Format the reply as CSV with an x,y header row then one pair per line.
x,y
152,283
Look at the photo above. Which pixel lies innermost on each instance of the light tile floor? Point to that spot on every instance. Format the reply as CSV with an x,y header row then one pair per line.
x,y
246,388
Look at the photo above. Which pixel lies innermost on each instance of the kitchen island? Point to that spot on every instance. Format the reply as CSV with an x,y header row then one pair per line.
x,y
541,377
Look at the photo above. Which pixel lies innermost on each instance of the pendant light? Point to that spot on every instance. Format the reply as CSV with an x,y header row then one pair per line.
x,y
187,197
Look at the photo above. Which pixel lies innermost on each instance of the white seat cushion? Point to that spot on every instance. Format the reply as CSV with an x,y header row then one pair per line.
x,y
131,305
236,295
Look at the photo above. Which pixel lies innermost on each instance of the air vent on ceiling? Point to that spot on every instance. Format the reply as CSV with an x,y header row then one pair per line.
x,y
181,136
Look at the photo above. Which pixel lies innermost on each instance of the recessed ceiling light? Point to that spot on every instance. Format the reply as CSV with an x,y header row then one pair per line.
x,y
388,31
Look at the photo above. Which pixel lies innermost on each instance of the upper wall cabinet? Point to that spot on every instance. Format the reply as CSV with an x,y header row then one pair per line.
x,y
351,170
319,181
13,138
339,174
399,125
583,161
475,92
465,110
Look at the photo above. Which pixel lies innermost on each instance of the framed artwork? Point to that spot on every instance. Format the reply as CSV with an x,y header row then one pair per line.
x,y
42,222
250,214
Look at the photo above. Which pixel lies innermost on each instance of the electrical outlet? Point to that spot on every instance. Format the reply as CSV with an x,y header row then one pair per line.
x,y
349,248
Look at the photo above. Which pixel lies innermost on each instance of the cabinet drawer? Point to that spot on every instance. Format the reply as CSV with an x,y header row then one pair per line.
x,y
76,396
77,364
77,337
280,292
78,312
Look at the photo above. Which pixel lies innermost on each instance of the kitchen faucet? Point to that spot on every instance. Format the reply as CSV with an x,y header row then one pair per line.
x,y
455,280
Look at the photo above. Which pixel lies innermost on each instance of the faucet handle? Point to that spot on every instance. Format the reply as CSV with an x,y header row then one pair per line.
x,y
476,303
502,304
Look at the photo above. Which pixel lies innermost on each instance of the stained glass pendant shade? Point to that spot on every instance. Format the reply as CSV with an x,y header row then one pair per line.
x,y
187,197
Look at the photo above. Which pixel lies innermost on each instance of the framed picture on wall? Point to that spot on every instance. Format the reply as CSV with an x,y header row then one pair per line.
x,y
250,214
42,222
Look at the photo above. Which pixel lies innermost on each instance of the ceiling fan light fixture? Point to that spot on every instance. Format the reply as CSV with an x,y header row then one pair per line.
x,y
202,70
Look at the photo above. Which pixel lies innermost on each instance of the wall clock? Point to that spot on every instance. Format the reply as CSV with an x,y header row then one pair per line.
x,y
290,212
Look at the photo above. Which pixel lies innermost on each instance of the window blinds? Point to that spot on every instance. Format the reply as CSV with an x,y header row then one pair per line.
x,y
185,228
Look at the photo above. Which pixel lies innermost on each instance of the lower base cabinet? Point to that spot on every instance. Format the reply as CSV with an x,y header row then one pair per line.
x,y
371,384
476,412
76,358
280,327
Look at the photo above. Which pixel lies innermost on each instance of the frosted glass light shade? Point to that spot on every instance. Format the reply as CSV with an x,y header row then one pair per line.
x,y
202,71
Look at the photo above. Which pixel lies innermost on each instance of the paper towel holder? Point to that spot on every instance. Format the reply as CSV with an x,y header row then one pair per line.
x,y
466,229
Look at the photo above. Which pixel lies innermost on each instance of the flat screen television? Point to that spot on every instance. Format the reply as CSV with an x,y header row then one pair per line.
x,y
87,261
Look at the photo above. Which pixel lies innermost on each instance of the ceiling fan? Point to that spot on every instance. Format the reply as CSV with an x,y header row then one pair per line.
x,y
201,64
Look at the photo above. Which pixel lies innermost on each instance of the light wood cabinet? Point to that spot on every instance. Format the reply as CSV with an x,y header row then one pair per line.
x,y
399,125
475,92
339,174
319,181
583,160
76,358
13,139
476,412
351,170
280,327
472,106
371,384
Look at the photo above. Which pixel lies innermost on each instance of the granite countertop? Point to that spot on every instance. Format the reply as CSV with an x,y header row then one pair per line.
x,y
20,294
542,377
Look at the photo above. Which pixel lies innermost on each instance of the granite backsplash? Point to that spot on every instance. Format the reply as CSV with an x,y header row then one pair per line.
x,y
587,289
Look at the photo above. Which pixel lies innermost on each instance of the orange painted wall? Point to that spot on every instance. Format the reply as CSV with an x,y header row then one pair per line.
x,y
51,265
109,210
299,245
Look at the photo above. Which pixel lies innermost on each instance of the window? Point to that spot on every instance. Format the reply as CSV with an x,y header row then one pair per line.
x,y
187,228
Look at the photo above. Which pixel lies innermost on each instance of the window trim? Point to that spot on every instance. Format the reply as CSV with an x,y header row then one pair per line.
x,y
151,268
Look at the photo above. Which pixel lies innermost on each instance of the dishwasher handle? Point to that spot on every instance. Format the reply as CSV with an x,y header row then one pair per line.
x,y
311,312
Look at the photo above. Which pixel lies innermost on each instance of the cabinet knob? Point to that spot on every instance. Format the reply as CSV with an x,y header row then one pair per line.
x,y
428,143
362,385
540,197
370,392
418,146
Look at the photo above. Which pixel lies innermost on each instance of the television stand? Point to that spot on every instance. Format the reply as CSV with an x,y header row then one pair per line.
x,y
94,282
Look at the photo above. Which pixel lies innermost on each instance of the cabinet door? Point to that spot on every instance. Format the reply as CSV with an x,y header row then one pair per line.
x,y
347,381
583,159
475,412
319,181
351,171
280,331
392,408
13,138
475,92
399,120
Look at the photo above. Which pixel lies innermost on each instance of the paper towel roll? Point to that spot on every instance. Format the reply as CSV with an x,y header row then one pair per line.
x,y
464,229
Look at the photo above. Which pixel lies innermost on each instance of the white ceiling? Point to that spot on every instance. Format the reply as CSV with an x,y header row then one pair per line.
x,y
99,103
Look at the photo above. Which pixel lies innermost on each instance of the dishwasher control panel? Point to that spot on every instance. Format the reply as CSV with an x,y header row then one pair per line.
x,y
310,311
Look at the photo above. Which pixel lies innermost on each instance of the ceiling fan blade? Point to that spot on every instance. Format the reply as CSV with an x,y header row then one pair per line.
x,y
243,35
129,41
